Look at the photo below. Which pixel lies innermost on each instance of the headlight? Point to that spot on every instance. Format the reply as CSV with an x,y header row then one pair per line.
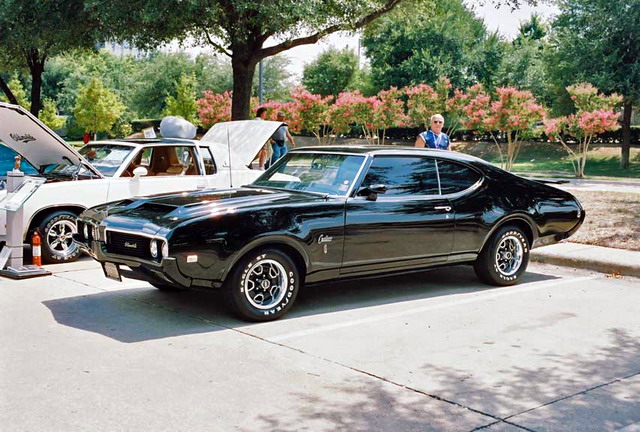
x,y
153,247
165,249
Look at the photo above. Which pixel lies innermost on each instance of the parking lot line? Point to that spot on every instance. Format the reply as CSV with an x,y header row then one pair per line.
x,y
478,296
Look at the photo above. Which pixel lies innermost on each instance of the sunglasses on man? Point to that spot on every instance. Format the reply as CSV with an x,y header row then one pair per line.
x,y
437,121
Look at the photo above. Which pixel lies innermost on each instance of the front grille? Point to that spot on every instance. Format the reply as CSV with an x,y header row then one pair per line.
x,y
128,244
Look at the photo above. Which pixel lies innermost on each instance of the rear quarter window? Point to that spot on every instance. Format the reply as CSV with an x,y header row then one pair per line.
x,y
455,177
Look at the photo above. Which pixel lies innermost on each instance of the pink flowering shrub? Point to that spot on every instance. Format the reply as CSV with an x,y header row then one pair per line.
x,y
214,108
311,113
389,111
514,112
594,116
423,101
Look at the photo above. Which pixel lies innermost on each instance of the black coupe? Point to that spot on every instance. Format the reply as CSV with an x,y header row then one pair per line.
x,y
325,213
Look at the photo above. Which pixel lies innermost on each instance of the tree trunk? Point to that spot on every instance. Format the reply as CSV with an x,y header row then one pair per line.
x,y
36,67
243,71
626,135
7,92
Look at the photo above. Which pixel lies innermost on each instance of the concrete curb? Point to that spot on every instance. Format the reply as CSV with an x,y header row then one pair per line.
x,y
597,258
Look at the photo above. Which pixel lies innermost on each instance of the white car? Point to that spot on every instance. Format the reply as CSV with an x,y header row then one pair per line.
x,y
107,171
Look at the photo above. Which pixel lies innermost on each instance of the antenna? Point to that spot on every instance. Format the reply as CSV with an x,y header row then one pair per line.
x,y
229,150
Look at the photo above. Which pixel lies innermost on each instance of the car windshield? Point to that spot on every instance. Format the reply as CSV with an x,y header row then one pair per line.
x,y
107,158
326,173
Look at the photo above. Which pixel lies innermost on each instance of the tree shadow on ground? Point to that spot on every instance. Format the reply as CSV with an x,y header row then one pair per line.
x,y
136,315
534,397
379,406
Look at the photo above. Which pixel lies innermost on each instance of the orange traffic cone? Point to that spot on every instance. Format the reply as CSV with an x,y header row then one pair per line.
x,y
36,248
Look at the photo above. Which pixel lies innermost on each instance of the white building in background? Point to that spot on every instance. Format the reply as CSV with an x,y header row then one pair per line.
x,y
121,50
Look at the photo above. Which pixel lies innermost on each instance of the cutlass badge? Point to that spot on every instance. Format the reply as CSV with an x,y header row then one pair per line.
x,y
323,240
131,245
26,138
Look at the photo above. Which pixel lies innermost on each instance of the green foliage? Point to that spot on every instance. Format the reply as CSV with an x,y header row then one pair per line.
x,y
67,73
97,108
122,129
32,31
49,115
422,42
332,72
596,41
276,84
184,103
15,85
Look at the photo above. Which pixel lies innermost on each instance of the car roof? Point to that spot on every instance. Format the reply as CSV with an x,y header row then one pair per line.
x,y
146,141
375,150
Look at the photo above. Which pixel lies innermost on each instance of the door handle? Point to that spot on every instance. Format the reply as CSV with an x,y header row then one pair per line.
x,y
445,208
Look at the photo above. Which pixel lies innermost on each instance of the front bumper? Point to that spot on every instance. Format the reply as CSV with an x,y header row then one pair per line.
x,y
164,272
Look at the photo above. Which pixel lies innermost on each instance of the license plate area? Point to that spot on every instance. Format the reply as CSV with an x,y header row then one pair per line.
x,y
112,271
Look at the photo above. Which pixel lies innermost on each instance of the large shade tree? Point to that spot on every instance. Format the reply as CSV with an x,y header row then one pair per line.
x,y
597,41
31,31
246,31
420,42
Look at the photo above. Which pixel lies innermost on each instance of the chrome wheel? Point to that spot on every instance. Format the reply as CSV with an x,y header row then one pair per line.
x,y
60,238
266,284
509,255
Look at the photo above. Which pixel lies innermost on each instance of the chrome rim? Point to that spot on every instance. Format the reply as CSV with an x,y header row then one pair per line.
x,y
60,238
509,255
266,284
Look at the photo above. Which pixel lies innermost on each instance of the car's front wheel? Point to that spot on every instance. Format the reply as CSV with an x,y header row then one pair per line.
x,y
56,232
263,286
504,259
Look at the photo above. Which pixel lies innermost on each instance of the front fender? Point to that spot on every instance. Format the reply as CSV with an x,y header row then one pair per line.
x,y
267,240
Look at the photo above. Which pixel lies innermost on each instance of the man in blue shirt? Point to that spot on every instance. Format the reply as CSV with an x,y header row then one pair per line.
x,y
279,138
434,138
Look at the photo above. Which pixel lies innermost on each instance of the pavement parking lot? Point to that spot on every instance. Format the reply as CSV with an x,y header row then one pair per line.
x,y
428,351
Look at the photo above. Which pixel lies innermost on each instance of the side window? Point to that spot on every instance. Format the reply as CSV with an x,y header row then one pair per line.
x,y
404,175
209,162
455,177
174,161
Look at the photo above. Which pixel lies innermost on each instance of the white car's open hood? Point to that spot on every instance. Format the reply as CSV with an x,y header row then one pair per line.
x,y
244,138
34,141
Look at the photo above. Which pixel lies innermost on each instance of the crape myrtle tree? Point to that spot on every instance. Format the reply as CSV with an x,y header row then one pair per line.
x,y
31,31
238,29
597,41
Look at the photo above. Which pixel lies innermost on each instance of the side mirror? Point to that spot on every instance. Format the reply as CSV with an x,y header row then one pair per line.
x,y
372,192
140,172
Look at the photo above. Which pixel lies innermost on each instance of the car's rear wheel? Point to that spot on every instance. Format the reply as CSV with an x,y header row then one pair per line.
x,y
56,232
504,259
263,286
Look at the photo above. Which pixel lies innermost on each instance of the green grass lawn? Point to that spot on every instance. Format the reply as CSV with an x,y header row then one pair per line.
x,y
552,160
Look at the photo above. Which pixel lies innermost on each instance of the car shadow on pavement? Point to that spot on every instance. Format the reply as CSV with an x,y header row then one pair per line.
x,y
141,314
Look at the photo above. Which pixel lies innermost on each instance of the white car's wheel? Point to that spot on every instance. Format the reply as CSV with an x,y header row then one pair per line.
x,y
56,231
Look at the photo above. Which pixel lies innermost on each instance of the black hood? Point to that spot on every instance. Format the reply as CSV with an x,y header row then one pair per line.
x,y
165,210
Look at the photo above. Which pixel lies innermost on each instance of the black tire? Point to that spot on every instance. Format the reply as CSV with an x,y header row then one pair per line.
x,y
504,258
167,288
55,231
273,294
